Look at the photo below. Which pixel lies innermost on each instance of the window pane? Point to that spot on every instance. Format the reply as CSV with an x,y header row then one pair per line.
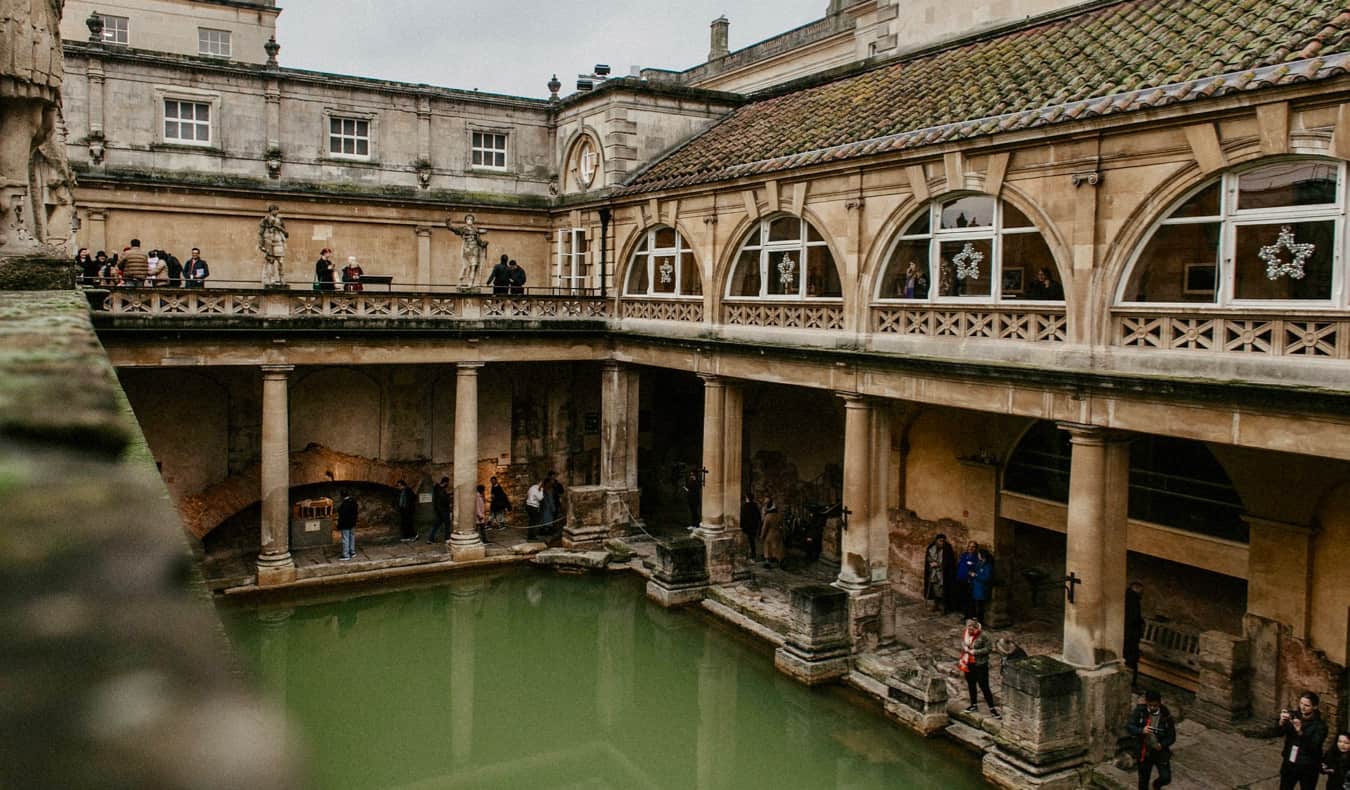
x,y
334,145
637,275
907,272
204,112
478,157
665,238
642,245
477,139
785,229
170,130
1287,184
335,126
363,128
964,268
663,274
1014,218
974,211
920,225
745,279
1204,203
204,133
784,273
1029,270
691,282
1176,257
170,109
1277,277
363,147
753,241
822,279
813,235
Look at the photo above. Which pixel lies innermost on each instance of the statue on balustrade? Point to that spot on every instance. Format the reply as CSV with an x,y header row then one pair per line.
x,y
474,250
272,237
36,183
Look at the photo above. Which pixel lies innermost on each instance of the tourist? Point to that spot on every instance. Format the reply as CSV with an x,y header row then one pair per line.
x,y
440,502
965,564
500,278
154,267
974,664
1336,765
135,265
558,494
1008,651
981,582
939,574
195,270
548,505
1152,724
351,275
693,497
534,503
772,541
1134,629
480,518
325,271
407,509
346,523
173,268
499,503
88,266
108,273
1044,287
517,277
750,523
1304,733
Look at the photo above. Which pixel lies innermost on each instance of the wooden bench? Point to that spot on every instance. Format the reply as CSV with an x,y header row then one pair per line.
x,y
1171,653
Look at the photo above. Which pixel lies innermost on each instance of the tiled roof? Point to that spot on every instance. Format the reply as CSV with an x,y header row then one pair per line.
x,y
1111,59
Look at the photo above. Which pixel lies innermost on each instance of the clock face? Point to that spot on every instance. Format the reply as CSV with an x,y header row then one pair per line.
x,y
587,162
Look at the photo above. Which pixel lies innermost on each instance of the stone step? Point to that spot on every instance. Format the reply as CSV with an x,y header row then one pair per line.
x,y
970,738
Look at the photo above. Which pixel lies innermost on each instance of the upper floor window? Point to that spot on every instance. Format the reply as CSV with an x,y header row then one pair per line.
x,y
588,161
785,258
116,29
571,260
970,247
187,121
1268,235
213,42
348,136
488,149
663,265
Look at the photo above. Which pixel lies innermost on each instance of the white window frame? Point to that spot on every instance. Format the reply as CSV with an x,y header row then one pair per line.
x,y
647,258
119,24
1229,219
164,95
766,248
484,151
936,235
341,136
570,265
214,42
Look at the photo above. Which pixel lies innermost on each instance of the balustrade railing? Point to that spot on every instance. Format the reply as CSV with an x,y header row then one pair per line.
x,y
1287,335
662,309
806,315
1041,325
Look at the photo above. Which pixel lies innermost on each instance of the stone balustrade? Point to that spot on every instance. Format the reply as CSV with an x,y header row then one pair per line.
x,y
1304,334
1037,325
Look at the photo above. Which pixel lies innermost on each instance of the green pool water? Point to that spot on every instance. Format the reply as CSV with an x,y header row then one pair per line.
x,y
527,679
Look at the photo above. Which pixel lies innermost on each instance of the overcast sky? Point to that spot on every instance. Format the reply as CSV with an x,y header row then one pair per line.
x,y
513,46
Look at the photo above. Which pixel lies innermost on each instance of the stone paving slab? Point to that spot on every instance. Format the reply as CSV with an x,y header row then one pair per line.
x,y
1212,759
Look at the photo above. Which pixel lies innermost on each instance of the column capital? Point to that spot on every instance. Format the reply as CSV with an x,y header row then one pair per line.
x,y
97,214
856,400
712,379
276,371
424,231
468,368
612,364
1080,433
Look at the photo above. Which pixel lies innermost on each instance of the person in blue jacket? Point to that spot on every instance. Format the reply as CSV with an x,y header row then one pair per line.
x,y
981,580
965,564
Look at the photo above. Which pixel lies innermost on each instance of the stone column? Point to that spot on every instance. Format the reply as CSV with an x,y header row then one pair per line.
x,y
714,411
1094,624
423,256
97,142
465,543
733,418
98,229
855,572
275,565
597,512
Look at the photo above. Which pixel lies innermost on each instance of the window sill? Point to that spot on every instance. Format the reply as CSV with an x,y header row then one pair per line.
x,y
188,148
355,161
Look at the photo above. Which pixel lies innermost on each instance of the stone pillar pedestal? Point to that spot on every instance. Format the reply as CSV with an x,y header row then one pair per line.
x,y
1224,693
595,514
917,697
817,646
711,524
465,542
1041,743
275,565
680,572
855,572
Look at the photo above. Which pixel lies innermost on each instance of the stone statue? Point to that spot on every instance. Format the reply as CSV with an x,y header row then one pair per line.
x,y
272,237
475,247
33,168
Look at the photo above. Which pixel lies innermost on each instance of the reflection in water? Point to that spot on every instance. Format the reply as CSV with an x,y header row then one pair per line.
x,y
531,680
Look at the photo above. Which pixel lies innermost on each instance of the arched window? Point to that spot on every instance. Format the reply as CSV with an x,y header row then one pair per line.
x,y
784,258
1263,236
663,265
970,247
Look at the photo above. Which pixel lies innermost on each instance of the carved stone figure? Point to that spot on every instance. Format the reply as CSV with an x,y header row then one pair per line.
x,y
272,237
475,247
32,157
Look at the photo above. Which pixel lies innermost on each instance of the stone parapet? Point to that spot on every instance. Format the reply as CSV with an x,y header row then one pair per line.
x,y
1042,741
596,514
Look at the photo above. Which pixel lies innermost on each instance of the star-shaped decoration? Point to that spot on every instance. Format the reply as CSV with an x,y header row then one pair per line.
x,y
1299,253
667,271
968,263
787,271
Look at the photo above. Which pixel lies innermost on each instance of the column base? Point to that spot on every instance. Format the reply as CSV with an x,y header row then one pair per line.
x,y
275,569
466,548
672,595
811,668
721,556
1003,770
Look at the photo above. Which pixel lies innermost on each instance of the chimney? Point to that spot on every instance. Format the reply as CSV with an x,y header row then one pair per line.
x,y
718,48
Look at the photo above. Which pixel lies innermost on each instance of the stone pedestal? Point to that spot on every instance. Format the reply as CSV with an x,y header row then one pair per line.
x,y
595,514
868,611
1104,703
1041,743
1224,694
917,696
817,646
680,572
721,557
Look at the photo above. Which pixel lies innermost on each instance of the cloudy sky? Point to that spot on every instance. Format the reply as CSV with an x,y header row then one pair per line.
x,y
513,46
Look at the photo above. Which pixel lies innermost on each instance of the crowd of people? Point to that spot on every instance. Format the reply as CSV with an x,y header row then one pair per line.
x,y
135,267
958,584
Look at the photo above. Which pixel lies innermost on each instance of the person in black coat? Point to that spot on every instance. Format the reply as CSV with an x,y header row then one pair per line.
x,y
500,278
346,524
939,574
693,497
1134,628
1336,763
325,271
516,277
750,522
1152,724
1304,732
